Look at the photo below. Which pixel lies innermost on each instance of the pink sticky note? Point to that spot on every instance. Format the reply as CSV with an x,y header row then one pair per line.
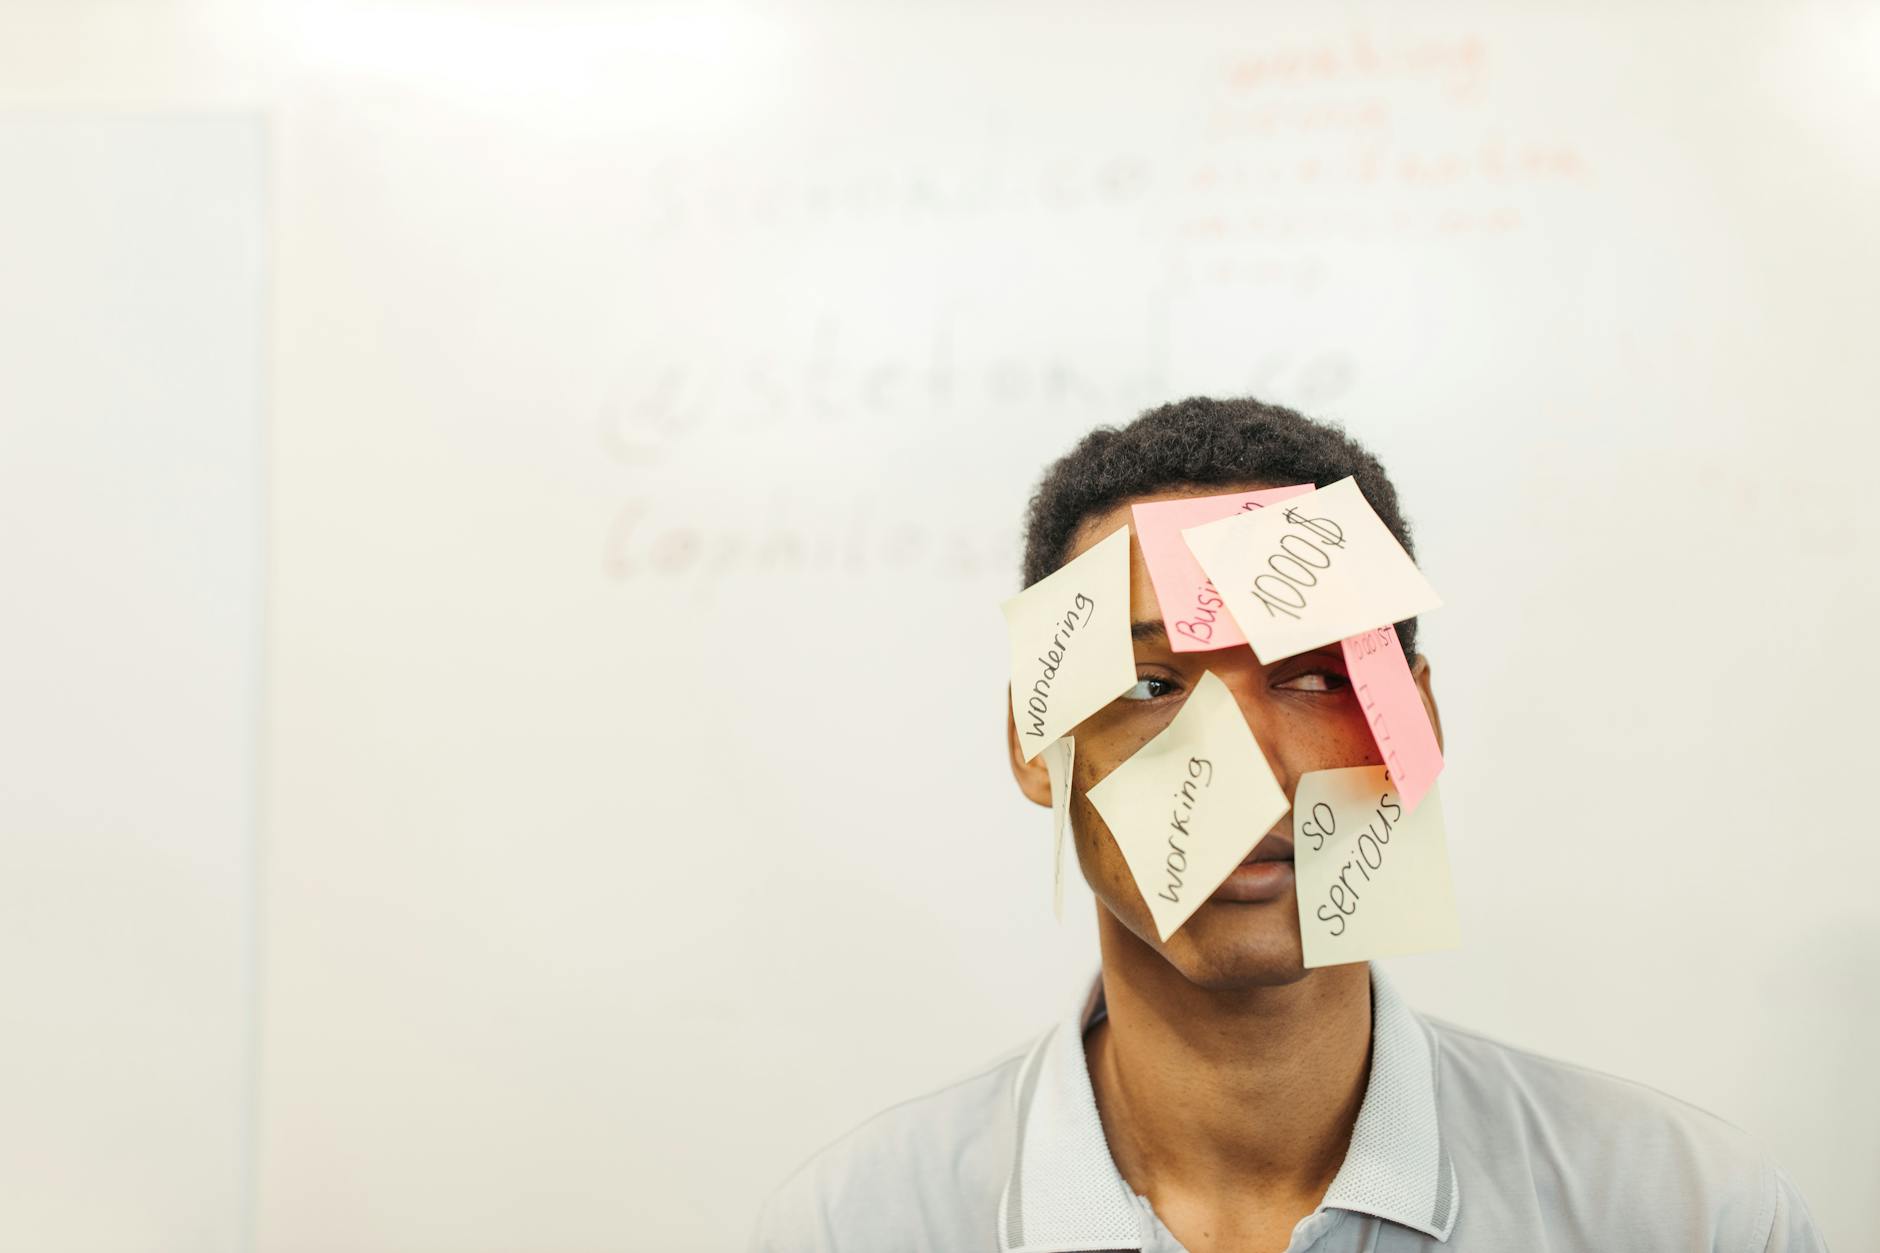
x,y
1191,609
1394,707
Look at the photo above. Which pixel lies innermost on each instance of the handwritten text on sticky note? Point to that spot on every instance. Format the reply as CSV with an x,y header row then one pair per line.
x,y
1310,571
1392,704
1372,878
1190,804
1192,610
1070,643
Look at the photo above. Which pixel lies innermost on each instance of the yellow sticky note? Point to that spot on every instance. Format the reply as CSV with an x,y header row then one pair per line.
x,y
1373,880
1071,650
1058,760
1310,571
1190,804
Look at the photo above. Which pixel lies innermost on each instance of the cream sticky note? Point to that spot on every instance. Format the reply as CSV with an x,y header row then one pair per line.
x,y
1372,878
1193,612
1400,723
1310,571
1058,759
1190,804
1071,649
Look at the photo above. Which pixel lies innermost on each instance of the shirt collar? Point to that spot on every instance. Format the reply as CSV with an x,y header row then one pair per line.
x,y
1064,1193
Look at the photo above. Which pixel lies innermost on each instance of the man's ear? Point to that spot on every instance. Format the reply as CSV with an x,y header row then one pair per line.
x,y
1034,777
1420,671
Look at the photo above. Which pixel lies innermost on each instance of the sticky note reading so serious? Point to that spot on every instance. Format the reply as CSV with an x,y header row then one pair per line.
x,y
1372,878
1400,722
1192,610
1190,804
1310,571
1071,649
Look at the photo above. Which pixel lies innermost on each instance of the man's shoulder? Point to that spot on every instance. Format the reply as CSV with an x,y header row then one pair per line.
x,y
1581,1142
938,1158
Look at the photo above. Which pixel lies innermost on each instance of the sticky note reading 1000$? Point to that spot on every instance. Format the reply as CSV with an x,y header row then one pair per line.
x,y
1372,878
1192,610
1071,649
1190,804
1310,571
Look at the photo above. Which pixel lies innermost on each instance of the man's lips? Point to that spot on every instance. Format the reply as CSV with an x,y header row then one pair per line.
x,y
1265,875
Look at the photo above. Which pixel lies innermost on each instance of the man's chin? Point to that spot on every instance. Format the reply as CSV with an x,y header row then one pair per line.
x,y
1225,946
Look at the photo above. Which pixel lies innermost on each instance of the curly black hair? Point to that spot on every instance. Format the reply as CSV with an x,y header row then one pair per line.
x,y
1200,442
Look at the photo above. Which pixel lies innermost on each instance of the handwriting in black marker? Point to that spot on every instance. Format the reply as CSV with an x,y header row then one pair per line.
x,y
1341,891
1290,570
1039,703
1200,771
1319,825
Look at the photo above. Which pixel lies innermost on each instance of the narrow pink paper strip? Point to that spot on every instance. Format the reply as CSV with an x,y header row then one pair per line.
x,y
1400,722
1192,611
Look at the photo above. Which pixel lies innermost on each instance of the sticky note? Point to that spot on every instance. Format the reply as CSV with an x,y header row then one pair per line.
x,y
1058,759
1310,571
1372,878
1071,649
1400,722
1190,804
1192,611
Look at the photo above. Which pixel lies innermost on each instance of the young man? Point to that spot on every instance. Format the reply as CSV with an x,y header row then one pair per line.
x,y
1213,1093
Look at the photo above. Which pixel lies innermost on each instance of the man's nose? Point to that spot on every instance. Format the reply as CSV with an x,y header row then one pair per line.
x,y
1247,683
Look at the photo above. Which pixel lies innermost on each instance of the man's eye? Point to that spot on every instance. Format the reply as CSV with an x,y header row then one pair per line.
x,y
1148,689
1316,681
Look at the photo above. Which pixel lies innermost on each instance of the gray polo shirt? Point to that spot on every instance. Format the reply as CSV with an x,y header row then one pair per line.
x,y
1462,1144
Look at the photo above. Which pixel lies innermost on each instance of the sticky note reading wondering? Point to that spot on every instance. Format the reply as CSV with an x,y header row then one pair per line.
x,y
1373,879
1192,611
1058,759
1310,571
1190,804
1400,723
1071,650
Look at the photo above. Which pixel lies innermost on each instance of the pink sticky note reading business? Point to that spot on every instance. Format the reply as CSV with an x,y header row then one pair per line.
x,y
1192,610
1380,676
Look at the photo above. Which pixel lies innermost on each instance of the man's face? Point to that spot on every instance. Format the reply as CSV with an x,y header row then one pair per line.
x,y
1305,717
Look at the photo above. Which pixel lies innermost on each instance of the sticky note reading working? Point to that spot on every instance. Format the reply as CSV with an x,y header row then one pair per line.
x,y
1058,760
1192,611
1190,804
1373,879
1310,571
1392,704
1071,649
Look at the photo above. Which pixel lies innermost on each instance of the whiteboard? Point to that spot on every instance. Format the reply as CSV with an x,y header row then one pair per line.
x,y
131,390
662,396
656,394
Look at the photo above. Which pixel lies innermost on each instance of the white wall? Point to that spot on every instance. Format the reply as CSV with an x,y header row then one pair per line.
x,y
656,393
131,390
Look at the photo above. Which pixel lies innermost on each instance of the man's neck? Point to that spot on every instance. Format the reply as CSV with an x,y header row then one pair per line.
x,y
1234,1107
